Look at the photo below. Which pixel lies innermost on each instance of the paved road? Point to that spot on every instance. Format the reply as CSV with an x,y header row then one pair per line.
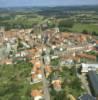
x,y
45,87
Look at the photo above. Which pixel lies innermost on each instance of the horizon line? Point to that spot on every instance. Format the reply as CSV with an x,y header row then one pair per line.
x,y
48,6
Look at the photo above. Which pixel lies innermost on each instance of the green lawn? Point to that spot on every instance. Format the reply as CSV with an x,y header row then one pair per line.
x,y
89,27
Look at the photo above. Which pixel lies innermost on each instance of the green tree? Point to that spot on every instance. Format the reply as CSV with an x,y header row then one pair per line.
x,y
85,32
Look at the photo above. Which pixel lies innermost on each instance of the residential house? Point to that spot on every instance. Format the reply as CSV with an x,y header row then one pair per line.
x,y
86,56
37,94
48,70
36,72
57,84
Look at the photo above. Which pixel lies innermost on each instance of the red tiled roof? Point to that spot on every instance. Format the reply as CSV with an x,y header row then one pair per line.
x,y
35,93
87,56
48,68
57,83
96,41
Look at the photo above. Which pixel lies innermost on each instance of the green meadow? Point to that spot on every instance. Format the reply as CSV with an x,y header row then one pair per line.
x,y
80,27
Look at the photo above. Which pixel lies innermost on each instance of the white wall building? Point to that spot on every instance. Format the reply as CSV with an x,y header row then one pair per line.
x,y
89,67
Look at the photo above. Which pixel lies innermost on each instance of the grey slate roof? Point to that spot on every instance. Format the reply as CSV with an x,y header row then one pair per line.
x,y
86,97
93,79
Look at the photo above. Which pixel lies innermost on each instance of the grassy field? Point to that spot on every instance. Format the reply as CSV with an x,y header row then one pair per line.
x,y
17,20
89,27
14,83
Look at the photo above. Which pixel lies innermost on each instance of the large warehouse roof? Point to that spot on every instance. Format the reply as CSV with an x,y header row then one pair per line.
x,y
93,78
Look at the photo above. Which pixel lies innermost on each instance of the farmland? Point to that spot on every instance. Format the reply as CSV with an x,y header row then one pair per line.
x,y
78,27
82,18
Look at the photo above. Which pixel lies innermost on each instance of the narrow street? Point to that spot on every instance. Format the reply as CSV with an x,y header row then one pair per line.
x,y
45,87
